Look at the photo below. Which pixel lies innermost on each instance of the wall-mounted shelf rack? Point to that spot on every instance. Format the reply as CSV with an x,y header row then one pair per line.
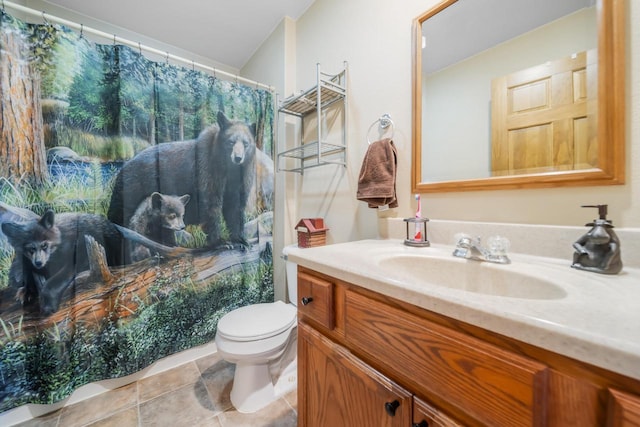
x,y
330,89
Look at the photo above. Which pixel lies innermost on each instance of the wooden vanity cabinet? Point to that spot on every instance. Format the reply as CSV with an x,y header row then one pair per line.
x,y
365,359
624,409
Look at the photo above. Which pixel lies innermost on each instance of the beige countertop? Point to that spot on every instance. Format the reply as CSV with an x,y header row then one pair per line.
x,y
590,317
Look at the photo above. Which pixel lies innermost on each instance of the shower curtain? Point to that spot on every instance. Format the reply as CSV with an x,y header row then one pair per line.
x,y
84,295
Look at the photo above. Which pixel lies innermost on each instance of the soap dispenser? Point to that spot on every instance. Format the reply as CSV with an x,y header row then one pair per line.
x,y
599,249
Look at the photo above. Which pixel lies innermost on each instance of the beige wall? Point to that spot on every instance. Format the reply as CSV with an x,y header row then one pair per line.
x,y
374,36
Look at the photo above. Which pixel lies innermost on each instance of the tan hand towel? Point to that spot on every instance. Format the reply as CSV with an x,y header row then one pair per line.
x,y
377,180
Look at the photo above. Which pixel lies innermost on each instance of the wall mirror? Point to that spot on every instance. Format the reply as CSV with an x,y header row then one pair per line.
x,y
518,94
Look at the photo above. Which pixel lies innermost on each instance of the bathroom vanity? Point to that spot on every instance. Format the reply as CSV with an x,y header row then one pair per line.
x,y
377,346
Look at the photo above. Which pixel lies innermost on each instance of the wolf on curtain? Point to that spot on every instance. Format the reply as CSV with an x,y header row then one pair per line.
x,y
135,209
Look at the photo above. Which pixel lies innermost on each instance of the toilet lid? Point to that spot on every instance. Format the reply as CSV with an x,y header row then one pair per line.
x,y
257,321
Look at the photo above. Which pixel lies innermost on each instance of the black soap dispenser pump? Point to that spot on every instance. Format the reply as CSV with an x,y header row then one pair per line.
x,y
599,249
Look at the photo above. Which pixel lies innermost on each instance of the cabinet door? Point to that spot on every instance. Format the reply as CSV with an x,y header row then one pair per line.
x,y
425,415
624,409
336,389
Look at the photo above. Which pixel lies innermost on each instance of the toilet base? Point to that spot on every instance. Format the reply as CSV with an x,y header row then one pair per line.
x,y
288,379
253,387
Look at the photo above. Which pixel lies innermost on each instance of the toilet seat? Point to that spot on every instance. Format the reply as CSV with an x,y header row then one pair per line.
x,y
257,321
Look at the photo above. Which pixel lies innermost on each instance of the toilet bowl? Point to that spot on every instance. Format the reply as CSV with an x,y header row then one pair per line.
x,y
261,340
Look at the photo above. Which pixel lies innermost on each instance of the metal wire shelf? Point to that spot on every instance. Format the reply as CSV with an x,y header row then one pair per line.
x,y
330,88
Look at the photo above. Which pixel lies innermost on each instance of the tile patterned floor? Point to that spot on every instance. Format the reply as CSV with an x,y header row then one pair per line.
x,y
191,395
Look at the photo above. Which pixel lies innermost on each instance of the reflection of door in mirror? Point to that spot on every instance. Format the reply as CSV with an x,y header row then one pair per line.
x,y
543,118
452,133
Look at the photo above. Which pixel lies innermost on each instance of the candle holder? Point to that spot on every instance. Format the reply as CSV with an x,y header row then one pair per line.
x,y
417,233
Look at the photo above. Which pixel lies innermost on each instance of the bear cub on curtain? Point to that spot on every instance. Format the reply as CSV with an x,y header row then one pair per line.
x,y
159,217
217,169
51,250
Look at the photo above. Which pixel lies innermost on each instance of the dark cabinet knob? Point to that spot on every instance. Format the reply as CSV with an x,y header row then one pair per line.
x,y
422,423
306,300
391,407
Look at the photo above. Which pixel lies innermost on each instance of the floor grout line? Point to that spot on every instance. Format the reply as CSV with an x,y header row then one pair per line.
x,y
139,423
212,399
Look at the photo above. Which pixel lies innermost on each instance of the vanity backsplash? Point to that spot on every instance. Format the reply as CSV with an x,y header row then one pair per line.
x,y
540,240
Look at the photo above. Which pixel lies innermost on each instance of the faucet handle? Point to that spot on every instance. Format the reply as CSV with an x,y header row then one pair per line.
x,y
463,243
498,245
462,238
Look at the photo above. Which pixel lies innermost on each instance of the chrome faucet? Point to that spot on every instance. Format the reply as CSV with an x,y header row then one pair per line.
x,y
470,248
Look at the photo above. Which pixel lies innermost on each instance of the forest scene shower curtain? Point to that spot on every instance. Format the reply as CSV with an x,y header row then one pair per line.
x,y
135,209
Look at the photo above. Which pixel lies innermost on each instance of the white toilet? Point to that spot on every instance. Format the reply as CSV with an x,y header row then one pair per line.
x,y
261,339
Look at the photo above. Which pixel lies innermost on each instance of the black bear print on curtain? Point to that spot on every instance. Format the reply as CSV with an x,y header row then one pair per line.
x,y
135,209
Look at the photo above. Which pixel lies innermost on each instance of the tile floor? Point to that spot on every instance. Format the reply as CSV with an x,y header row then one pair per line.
x,y
191,395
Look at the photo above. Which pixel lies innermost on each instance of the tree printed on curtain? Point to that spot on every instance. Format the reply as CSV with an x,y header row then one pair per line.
x,y
135,209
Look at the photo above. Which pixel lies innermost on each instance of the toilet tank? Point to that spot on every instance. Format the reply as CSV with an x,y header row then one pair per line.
x,y
292,275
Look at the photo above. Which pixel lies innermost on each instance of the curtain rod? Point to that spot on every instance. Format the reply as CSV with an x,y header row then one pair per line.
x,y
136,45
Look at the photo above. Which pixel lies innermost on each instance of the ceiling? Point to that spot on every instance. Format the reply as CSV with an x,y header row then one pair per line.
x,y
486,23
226,31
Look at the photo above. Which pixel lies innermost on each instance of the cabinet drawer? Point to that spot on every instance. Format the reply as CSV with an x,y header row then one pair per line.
x,y
490,385
315,299
624,409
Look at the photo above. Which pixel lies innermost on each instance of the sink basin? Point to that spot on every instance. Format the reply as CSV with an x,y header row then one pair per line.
x,y
471,276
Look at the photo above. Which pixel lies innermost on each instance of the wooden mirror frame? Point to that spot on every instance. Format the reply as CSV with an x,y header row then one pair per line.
x,y
611,115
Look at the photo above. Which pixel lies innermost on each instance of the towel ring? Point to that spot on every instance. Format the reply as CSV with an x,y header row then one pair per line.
x,y
385,122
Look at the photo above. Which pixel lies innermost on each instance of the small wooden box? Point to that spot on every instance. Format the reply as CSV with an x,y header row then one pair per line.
x,y
311,232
